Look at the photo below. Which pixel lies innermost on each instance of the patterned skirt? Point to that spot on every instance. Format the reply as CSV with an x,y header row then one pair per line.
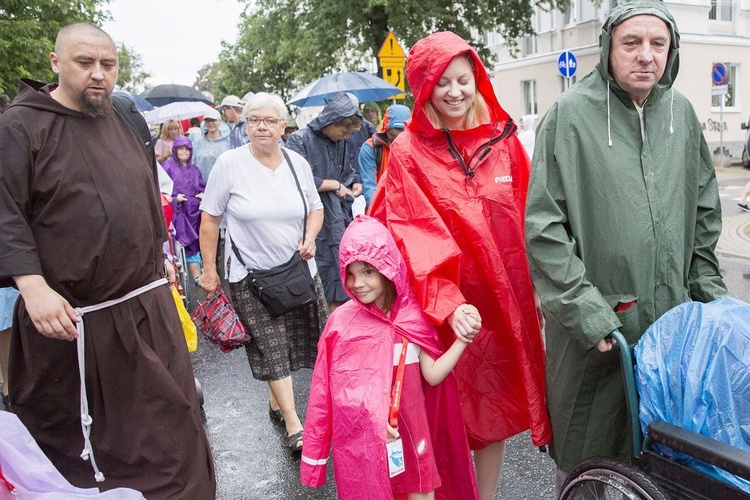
x,y
279,346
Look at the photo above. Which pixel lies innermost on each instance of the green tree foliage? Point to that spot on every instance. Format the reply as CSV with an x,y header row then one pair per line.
x,y
206,80
27,35
130,76
284,44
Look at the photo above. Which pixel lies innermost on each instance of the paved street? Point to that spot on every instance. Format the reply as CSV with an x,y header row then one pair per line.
x,y
252,463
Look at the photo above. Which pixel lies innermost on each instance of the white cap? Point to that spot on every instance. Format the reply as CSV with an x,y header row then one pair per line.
x,y
231,101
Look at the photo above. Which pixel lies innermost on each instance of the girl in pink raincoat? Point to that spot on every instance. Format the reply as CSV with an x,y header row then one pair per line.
x,y
351,389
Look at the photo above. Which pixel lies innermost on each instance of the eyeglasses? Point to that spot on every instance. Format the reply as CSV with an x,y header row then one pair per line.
x,y
254,121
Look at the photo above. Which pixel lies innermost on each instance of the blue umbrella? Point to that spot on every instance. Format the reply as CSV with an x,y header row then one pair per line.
x,y
172,92
365,86
141,104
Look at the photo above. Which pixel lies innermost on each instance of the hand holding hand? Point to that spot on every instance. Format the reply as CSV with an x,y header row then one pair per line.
x,y
356,189
466,322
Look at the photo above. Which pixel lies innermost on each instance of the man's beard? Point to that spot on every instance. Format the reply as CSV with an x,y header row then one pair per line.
x,y
94,107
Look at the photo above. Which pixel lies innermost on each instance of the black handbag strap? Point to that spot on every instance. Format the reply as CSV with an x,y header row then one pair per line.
x,y
304,204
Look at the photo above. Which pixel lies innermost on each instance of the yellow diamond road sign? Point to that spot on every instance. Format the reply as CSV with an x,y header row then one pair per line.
x,y
392,59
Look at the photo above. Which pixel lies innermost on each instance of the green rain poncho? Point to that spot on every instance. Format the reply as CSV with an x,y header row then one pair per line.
x,y
615,216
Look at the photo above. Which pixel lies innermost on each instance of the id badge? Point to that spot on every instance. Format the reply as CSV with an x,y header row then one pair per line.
x,y
395,451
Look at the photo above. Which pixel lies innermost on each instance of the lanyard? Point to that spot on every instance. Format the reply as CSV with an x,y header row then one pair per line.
x,y
397,386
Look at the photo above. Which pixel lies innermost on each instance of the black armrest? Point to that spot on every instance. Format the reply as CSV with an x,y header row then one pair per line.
x,y
709,450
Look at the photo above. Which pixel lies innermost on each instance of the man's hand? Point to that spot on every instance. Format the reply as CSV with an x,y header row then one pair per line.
x,y
51,314
605,344
169,272
465,322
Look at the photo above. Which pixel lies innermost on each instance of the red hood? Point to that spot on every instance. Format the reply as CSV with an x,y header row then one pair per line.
x,y
427,62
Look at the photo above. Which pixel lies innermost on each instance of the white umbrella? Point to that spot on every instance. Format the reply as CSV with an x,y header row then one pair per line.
x,y
178,111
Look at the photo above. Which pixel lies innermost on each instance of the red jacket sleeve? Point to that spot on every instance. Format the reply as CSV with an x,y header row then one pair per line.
x,y
432,255
316,444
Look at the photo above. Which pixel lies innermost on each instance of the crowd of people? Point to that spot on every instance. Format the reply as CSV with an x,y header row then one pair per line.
x,y
425,334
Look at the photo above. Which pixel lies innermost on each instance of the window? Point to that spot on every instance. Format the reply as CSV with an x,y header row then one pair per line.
x,y
528,47
569,14
529,97
730,101
721,10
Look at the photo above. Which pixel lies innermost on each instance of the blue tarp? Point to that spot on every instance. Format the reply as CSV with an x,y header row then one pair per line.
x,y
693,371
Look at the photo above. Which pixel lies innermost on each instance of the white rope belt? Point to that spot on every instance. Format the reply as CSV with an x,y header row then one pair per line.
x,y
86,420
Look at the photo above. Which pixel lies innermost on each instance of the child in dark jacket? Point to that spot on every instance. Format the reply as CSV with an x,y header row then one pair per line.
x,y
355,403
186,198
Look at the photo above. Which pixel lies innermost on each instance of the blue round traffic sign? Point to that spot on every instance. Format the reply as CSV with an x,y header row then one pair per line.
x,y
567,64
719,74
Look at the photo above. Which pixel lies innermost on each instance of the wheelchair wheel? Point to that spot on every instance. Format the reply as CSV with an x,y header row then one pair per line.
x,y
608,478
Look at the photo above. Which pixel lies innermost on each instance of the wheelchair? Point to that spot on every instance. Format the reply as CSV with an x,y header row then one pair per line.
x,y
649,475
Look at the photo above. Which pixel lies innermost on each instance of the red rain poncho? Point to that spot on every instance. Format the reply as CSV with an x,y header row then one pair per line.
x,y
462,238
351,385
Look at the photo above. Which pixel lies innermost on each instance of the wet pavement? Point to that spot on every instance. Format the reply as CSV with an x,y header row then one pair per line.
x,y
249,452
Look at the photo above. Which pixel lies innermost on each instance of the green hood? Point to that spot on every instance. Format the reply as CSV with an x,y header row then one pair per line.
x,y
624,11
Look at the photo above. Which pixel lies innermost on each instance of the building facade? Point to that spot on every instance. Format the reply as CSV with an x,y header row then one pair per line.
x,y
711,31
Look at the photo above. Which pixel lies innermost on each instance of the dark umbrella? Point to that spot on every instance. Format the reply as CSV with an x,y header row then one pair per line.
x,y
172,92
141,104
365,86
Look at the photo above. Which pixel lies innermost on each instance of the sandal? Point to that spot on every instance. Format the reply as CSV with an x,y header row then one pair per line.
x,y
275,415
294,442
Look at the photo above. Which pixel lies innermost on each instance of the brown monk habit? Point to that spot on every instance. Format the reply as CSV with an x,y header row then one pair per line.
x,y
79,205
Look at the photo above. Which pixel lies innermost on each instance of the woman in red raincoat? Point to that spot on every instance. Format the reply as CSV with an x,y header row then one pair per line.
x,y
453,197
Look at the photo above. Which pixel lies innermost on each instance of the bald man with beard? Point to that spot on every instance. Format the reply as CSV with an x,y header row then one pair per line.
x,y
83,232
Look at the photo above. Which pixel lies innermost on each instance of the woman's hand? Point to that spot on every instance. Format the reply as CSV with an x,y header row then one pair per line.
x,y
466,322
181,197
356,189
209,281
199,196
306,248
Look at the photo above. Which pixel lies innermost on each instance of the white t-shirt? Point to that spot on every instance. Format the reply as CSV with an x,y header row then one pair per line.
x,y
263,209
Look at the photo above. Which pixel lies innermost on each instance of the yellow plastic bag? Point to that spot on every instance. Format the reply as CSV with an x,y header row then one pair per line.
x,y
188,327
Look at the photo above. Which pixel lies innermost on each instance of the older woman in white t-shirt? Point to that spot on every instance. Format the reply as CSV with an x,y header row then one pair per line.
x,y
253,187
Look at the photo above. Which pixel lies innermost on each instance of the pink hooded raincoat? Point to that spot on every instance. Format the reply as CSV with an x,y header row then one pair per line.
x,y
351,385
454,201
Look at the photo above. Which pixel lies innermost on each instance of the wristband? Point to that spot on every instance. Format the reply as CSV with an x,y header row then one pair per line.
x,y
338,188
